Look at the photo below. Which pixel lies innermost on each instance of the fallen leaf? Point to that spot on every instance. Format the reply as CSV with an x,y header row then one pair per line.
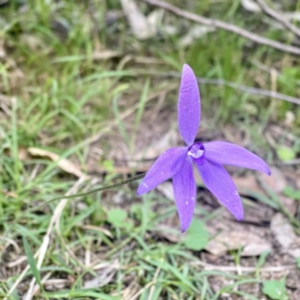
x,y
139,24
62,163
155,18
250,5
252,244
285,235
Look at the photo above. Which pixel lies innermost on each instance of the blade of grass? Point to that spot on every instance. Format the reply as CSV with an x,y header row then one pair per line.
x,y
119,121
139,114
32,263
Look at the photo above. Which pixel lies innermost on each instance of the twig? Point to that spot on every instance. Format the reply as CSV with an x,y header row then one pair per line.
x,y
250,90
244,88
278,16
225,26
211,267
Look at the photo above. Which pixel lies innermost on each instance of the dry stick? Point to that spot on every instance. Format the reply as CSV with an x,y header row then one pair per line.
x,y
226,26
43,249
244,88
278,16
211,267
250,90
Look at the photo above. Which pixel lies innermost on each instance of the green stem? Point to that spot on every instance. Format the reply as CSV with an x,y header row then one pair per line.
x,y
106,187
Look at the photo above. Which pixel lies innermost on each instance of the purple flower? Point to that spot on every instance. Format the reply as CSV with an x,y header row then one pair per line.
x,y
177,163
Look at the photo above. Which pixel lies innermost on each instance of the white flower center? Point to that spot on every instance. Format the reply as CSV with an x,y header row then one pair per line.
x,y
198,153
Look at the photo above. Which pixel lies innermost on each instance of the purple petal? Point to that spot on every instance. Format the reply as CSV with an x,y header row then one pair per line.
x,y
231,154
188,105
185,194
165,167
218,181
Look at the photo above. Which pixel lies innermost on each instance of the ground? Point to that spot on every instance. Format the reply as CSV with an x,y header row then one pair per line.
x,y
88,97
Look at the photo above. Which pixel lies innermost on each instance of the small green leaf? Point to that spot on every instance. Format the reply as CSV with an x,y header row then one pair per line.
x,y
275,289
108,165
291,193
197,236
118,218
32,263
285,153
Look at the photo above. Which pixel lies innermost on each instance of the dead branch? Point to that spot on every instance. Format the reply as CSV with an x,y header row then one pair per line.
x,y
225,26
233,85
251,90
271,269
278,17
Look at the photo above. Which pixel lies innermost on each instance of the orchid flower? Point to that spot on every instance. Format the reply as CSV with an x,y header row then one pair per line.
x,y
177,163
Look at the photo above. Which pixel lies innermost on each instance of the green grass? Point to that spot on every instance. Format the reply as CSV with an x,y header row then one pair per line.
x,y
60,96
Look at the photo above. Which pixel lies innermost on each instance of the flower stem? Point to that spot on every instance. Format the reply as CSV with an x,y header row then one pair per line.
x,y
103,188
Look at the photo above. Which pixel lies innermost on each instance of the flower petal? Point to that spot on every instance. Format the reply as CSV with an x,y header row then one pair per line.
x,y
219,182
231,154
184,187
165,167
188,105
